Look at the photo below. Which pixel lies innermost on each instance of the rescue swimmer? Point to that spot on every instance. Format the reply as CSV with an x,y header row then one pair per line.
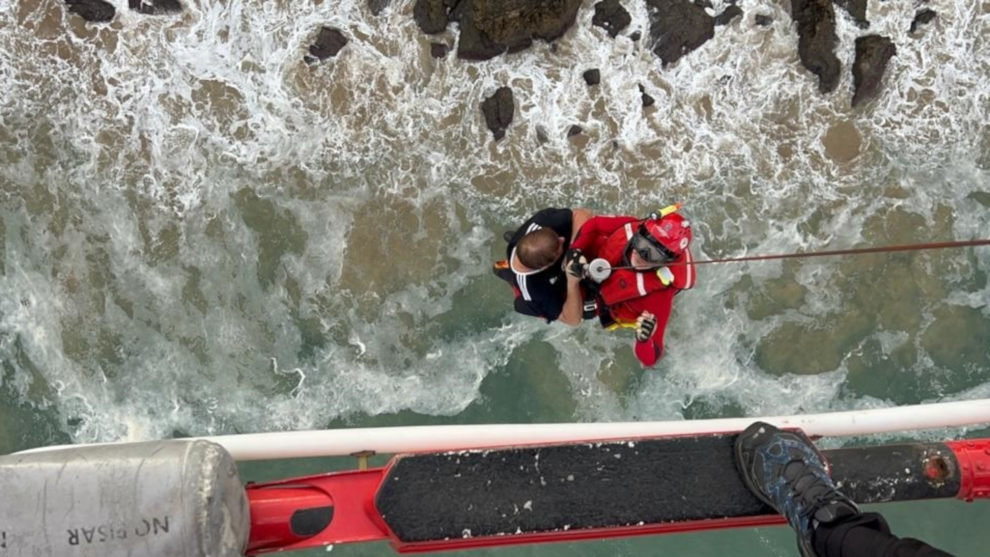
x,y
649,261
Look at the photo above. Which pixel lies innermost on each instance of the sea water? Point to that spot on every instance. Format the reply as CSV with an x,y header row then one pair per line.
x,y
203,234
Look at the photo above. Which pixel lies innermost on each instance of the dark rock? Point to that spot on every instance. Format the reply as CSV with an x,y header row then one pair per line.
x,y
678,27
376,6
498,110
592,77
763,20
491,27
611,16
816,40
704,4
727,15
439,50
648,101
574,130
872,54
635,36
857,9
541,134
96,11
921,18
431,16
155,7
328,43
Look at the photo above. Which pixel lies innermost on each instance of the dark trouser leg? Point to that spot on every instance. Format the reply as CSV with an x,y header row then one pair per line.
x,y
867,535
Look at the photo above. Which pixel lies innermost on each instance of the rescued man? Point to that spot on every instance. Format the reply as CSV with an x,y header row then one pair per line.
x,y
534,266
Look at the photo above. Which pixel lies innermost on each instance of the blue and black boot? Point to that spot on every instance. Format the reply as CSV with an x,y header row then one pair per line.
x,y
786,471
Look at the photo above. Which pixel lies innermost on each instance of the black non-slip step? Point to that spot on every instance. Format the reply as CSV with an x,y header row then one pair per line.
x,y
611,484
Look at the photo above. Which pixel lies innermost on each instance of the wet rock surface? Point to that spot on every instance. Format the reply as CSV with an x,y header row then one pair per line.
x,y
921,19
855,8
677,27
492,27
872,54
439,50
727,15
328,43
96,11
376,7
648,101
431,16
611,16
498,110
592,77
816,40
155,7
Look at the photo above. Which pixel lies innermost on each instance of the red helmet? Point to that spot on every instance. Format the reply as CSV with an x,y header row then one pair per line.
x,y
673,232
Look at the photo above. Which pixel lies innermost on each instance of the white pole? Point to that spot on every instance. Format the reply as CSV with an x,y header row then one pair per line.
x,y
391,440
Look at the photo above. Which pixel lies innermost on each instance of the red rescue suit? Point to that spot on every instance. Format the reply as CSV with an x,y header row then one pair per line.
x,y
626,293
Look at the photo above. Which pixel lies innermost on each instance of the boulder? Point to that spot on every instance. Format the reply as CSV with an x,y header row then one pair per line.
x,y
611,16
648,101
492,27
431,16
328,43
96,11
677,27
376,6
541,134
816,40
155,7
872,54
439,50
922,18
728,14
857,9
592,77
498,110
763,20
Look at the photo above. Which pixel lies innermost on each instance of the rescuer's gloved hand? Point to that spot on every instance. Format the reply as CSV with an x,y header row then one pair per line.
x,y
575,263
645,325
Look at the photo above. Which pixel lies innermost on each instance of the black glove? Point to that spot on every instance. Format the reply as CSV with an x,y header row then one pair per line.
x,y
575,263
645,325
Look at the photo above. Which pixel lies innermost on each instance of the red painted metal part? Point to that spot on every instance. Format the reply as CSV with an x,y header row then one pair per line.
x,y
974,468
272,510
351,493
355,518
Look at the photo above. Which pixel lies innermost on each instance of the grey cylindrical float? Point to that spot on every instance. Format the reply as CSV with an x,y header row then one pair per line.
x,y
159,499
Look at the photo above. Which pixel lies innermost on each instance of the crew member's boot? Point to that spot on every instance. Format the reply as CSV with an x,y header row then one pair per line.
x,y
786,471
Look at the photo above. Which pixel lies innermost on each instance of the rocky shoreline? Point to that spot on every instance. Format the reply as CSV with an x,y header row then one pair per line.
x,y
490,28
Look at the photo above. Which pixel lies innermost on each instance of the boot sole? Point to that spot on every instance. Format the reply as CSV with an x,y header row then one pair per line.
x,y
740,452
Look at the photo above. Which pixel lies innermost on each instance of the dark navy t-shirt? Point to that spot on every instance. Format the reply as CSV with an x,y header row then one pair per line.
x,y
543,293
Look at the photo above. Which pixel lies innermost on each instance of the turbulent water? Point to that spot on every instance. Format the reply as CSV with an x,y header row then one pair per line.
x,y
203,234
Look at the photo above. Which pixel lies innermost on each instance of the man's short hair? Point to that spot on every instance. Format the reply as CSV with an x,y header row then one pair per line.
x,y
539,248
